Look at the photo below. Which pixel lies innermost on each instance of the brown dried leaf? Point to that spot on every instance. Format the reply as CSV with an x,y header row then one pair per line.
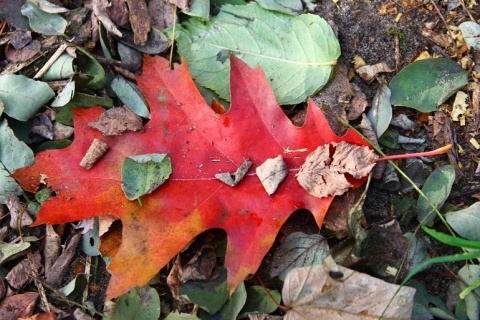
x,y
17,211
232,179
117,11
116,121
21,275
20,305
201,266
24,54
323,173
61,131
60,267
52,247
271,173
162,14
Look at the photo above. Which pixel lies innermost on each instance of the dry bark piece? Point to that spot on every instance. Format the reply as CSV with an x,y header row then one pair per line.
x,y
139,20
117,11
115,121
323,173
17,211
232,179
96,150
271,173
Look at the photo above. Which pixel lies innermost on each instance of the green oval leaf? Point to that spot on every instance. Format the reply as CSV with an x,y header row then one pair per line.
x,y
130,94
62,68
471,34
466,222
143,174
22,96
436,188
209,295
425,84
49,24
139,303
259,302
297,53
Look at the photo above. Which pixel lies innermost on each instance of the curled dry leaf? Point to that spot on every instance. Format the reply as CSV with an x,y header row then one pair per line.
x,y
271,173
323,173
96,150
18,213
232,179
369,72
116,121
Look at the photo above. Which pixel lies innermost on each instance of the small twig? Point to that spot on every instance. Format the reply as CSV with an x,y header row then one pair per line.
x,y
38,284
51,61
102,15
466,9
439,13
173,36
88,266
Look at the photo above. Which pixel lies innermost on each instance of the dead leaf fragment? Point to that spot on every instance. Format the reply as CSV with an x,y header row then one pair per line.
x,y
116,121
18,306
369,72
60,267
459,106
19,216
232,179
52,247
139,20
96,150
322,174
329,291
21,275
271,173
61,131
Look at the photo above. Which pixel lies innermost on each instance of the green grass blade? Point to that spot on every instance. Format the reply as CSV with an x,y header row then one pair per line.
x,y
450,240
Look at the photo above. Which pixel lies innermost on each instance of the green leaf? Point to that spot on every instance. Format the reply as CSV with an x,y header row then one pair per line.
x,y
466,222
80,100
298,250
436,188
451,240
75,287
297,54
94,70
139,304
425,84
469,274
131,96
9,251
292,7
58,144
380,113
14,154
259,302
143,174
62,68
200,9
471,34
232,307
22,96
181,316
65,96
49,24
209,295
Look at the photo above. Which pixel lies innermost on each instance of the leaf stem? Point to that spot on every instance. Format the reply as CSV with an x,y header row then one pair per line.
x,y
435,152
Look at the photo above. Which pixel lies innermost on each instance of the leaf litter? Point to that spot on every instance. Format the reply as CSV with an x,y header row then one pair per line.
x,y
156,42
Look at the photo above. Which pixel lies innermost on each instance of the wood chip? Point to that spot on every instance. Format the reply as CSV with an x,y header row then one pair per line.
x,y
232,179
271,173
96,150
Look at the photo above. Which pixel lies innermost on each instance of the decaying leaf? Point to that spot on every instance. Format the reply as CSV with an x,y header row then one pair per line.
x,y
115,121
96,150
271,173
232,179
459,106
333,292
323,173
19,216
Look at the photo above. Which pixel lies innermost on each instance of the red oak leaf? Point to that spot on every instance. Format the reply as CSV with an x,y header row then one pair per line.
x,y
201,143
